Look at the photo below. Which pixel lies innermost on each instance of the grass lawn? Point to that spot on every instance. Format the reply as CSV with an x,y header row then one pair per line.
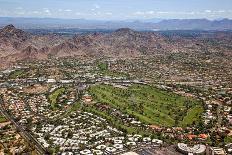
x,y
228,139
102,66
54,95
2,119
17,74
150,105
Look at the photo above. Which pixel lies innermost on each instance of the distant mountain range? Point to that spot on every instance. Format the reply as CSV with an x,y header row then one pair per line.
x,y
17,45
147,24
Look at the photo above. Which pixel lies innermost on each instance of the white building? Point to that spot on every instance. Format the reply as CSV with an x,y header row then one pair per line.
x,y
196,149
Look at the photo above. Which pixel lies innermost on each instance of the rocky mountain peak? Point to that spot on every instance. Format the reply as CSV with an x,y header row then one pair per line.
x,y
9,28
30,49
10,31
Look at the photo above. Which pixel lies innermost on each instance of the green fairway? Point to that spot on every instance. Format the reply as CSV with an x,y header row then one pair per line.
x,y
193,115
54,95
150,105
114,121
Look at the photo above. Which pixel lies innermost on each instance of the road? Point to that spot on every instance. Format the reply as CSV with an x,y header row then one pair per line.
x,y
27,136
219,116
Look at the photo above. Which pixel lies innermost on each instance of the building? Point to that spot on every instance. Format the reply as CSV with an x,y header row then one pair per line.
x,y
130,153
217,151
87,98
195,150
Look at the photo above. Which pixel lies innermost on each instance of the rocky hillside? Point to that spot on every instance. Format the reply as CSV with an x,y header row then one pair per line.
x,y
16,44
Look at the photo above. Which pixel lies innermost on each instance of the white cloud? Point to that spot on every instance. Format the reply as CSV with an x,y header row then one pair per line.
x,y
46,11
208,11
68,10
144,13
180,12
97,6
78,13
139,13
35,12
221,11
150,12
162,12
109,13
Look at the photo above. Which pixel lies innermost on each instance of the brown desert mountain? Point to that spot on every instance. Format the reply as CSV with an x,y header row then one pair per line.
x,y
16,44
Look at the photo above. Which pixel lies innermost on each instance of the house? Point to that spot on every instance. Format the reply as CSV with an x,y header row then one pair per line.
x,y
203,136
130,153
229,148
190,137
66,81
155,127
51,81
217,151
87,98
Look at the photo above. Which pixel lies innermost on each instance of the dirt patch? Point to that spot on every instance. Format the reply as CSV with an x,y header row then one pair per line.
x,y
36,89
4,124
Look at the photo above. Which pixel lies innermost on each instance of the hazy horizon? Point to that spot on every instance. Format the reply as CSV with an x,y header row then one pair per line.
x,y
117,9
118,20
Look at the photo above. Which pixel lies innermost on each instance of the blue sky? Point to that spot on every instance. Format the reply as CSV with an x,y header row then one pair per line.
x,y
117,9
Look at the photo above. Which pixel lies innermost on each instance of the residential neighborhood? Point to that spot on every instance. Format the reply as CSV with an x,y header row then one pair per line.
x,y
70,111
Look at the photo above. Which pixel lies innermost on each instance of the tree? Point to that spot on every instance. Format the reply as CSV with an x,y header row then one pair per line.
x,y
70,134
47,137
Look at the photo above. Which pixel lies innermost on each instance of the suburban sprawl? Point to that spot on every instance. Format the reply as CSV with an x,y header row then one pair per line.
x,y
157,105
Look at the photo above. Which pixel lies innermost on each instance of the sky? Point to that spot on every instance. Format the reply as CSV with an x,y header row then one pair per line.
x,y
117,9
